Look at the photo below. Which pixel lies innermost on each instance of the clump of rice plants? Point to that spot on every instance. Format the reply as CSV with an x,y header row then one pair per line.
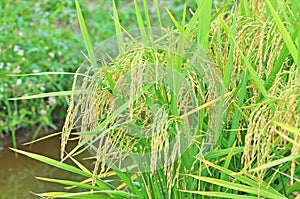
x,y
162,121
139,111
255,44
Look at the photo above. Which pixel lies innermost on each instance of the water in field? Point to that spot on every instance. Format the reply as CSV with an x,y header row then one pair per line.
x,y
17,175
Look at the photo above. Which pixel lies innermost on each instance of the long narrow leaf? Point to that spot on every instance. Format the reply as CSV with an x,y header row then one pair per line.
x,y
42,95
121,44
224,7
85,35
58,164
158,12
279,62
229,62
79,195
204,24
237,113
241,178
238,187
140,22
254,75
177,25
70,183
219,194
275,163
285,35
288,127
89,195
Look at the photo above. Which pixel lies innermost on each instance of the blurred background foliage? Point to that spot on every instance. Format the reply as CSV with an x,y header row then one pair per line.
x,y
43,36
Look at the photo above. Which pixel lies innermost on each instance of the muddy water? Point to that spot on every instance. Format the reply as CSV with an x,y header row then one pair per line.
x,y
17,175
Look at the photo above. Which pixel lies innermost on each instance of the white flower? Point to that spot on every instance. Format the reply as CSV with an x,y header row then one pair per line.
x,y
19,82
16,48
59,53
17,69
20,33
51,100
20,52
51,54
43,112
1,65
35,70
15,112
8,66
42,88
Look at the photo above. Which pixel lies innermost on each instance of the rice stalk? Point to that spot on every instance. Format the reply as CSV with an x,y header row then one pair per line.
x,y
261,138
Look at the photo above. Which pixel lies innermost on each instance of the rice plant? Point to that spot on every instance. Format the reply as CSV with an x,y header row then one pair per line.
x,y
207,108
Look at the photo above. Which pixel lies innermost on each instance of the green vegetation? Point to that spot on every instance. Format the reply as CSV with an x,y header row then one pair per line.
x,y
241,68
38,37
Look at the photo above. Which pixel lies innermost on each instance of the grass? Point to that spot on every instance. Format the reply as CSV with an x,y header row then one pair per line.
x,y
35,38
231,130
24,50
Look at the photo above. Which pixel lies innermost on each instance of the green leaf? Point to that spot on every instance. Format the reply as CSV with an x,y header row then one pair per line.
x,y
88,195
158,12
79,195
275,163
220,153
126,178
204,24
254,75
227,161
70,183
52,162
245,11
194,19
183,16
140,22
59,165
244,179
42,95
43,138
219,194
285,35
177,25
41,73
86,36
225,26
121,44
224,7
238,111
146,10
229,62
279,62
238,187
288,127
